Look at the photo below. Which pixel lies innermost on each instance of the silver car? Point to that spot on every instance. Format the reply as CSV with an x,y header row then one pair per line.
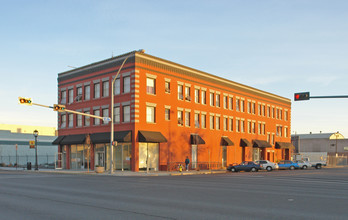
x,y
267,165
303,164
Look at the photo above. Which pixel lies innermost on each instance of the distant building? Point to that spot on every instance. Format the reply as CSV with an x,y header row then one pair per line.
x,y
14,141
164,112
320,142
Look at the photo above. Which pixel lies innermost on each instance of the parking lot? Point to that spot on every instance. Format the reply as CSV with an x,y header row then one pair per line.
x,y
284,194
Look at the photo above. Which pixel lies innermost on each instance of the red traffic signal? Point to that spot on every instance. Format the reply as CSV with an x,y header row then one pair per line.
x,y
59,108
24,101
301,96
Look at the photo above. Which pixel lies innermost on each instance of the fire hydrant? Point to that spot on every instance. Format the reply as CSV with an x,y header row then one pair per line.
x,y
180,168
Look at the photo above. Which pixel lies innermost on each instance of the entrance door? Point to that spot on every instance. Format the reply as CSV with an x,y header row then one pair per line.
x,y
194,157
149,156
256,154
224,156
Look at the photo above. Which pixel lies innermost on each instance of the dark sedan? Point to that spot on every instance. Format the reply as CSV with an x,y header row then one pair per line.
x,y
245,166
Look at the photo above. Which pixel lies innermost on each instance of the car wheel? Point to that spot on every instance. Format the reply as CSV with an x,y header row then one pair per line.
x,y
269,169
318,166
233,169
292,168
253,169
304,167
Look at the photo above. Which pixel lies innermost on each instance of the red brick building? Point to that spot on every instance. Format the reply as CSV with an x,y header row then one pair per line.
x,y
164,112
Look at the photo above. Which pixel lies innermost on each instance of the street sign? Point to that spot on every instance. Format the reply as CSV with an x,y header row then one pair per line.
x,y
31,144
106,119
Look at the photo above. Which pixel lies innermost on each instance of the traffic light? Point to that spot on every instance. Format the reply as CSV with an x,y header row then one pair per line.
x,y
301,96
59,108
25,101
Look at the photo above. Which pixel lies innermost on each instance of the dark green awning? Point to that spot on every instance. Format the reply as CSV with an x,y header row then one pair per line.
x,y
58,140
244,143
119,136
151,137
261,144
286,145
73,139
196,139
225,141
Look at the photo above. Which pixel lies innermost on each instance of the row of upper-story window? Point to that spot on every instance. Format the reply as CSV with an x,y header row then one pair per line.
x,y
228,101
99,89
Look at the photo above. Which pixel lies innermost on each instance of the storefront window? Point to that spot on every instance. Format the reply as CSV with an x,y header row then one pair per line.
x,y
148,154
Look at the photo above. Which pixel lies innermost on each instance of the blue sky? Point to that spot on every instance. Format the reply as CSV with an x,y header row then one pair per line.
x,y
278,46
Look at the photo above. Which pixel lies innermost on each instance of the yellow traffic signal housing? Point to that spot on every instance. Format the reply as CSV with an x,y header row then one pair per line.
x,y
25,101
59,108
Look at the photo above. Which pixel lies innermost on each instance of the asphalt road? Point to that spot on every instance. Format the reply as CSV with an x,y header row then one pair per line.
x,y
300,194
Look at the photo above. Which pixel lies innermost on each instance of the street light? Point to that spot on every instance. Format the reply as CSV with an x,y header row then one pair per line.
x,y
36,133
112,113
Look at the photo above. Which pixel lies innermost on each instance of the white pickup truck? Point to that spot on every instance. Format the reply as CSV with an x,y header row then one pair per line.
x,y
315,159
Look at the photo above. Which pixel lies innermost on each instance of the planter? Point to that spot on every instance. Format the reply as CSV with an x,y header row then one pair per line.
x,y
99,169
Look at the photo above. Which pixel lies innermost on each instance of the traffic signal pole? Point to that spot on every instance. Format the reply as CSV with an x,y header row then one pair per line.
x,y
302,96
63,109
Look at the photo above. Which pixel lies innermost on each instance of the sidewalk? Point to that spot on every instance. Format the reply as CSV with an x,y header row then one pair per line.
x,y
117,172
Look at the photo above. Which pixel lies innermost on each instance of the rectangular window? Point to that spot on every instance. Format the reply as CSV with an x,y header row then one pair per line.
x,y
117,114
217,96
230,100
150,86
225,100
96,120
204,120
63,121
231,124
253,127
87,92
204,97
242,105
79,121
96,90
286,131
180,117
187,93
242,126
211,99
180,92
167,87
211,122
260,128
106,89
281,114
260,109
71,96
253,108
150,114
187,119
249,107
87,119
286,115
71,120
196,95
237,125
264,110
268,111
225,123
63,97
126,113
78,94
217,124
196,120
126,84
249,127
167,114
237,105
268,137
117,87
105,114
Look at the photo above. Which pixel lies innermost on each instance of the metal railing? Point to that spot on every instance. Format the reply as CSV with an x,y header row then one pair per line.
x,y
174,166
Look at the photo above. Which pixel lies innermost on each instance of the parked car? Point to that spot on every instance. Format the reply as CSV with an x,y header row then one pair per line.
x,y
267,165
245,166
288,164
303,164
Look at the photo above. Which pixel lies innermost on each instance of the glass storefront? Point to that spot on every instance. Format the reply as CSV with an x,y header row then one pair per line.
x,y
148,154
194,157
123,153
